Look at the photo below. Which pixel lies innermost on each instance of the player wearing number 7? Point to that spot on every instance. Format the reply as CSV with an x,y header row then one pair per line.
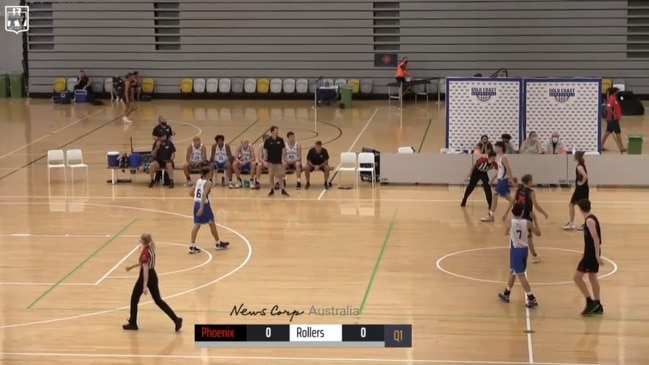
x,y
518,230
203,213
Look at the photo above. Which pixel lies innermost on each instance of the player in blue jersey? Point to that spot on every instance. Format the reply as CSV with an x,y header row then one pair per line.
x,y
203,213
518,231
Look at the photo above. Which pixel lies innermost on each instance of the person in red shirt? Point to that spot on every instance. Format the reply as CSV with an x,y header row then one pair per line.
x,y
479,172
148,280
613,116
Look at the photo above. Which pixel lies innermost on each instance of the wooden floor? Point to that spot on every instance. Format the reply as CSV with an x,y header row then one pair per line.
x,y
398,255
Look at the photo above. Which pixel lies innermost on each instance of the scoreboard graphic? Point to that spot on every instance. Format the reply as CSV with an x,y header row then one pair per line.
x,y
303,336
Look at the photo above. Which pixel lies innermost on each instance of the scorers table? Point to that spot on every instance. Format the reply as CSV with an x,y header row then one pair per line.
x,y
303,336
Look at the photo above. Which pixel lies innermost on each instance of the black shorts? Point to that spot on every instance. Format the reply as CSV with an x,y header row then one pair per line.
x,y
311,168
162,164
579,194
613,126
588,265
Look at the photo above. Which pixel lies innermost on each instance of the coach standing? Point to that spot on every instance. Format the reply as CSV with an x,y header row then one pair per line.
x,y
275,152
480,172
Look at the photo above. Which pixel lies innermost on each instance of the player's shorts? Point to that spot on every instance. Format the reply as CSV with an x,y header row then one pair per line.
x,y
502,187
291,164
221,165
613,126
518,260
246,167
581,192
208,214
588,265
198,165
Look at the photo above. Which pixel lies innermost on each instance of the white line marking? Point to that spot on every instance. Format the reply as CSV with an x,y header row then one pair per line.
x,y
66,235
52,133
438,263
48,284
454,201
275,358
230,273
209,259
528,326
358,137
117,265
200,131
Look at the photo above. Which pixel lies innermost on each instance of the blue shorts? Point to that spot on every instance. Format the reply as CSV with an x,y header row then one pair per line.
x,y
518,260
246,167
207,217
221,165
502,187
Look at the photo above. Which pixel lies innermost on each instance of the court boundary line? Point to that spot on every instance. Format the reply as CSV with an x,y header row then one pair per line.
x,y
191,290
280,358
358,137
110,271
39,284
50,134
528,331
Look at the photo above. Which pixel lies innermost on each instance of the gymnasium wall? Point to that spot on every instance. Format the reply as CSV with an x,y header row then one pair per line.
x,y
11,44
172,39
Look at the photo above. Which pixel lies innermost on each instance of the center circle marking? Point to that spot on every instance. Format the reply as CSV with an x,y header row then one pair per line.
x,y
438,263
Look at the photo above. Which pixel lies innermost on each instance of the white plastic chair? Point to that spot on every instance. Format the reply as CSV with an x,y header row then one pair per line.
x,y
591,153
199,85
97,86
289,86
56,160
74,160
367,158
225,85
237,86
250,86
275,86
348,163
340,82
72,82
108,85
211,85
408,150
302,86
366,86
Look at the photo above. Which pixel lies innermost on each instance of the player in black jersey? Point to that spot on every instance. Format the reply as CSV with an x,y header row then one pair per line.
x,y
525,195
591,260
582,191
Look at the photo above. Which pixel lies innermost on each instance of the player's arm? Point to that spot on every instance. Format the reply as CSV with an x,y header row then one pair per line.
x,y
507,166
509,208
584,175
156,148
173,151
204,153
237,153
309,158
191,192
253,154
538,206
495,167
299,151
508,227
326,157
534,228
189,154
204,195
228,151
592,228
212,153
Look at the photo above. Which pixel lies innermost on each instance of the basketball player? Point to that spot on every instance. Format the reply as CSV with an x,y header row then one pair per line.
x,y
502,185
526,196
591,260
221,157
582,191
613,116
244,161
203,213
294,158
196,159
129,86
519,230
480,172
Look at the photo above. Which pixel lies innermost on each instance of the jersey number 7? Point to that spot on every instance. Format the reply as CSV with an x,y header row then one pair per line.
x,y
519,233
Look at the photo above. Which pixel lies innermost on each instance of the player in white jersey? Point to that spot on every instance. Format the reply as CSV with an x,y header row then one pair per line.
x,y
203,213
196,159
244,161
221,159
294,158
518,231
505,175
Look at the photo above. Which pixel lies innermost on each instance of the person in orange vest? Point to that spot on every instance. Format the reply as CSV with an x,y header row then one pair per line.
x,y
403,71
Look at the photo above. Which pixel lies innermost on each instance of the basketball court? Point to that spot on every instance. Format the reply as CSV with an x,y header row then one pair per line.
x,y
396,254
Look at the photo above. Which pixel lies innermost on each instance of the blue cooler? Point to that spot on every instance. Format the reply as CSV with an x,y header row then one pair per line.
x,y
134,160
113,159
80,96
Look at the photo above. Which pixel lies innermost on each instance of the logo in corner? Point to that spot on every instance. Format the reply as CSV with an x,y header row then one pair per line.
x,y
561,95
16,19
483,93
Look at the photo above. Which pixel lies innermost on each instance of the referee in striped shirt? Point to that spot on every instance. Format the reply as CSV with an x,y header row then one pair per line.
x,y
148,281
479,172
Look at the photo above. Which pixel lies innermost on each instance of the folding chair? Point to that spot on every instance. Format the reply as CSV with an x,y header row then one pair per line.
x,y
74,160
56,160
348,163
367,158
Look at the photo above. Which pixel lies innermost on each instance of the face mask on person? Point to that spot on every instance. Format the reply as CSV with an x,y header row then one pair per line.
x,y
555,140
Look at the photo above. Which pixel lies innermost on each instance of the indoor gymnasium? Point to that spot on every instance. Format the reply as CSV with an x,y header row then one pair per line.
x,y
397,108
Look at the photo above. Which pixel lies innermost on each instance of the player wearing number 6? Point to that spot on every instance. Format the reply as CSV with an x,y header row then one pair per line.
x,y
203,213
518,230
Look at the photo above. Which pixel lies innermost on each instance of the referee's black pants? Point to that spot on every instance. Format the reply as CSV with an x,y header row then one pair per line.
x,y
138,290
476,176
